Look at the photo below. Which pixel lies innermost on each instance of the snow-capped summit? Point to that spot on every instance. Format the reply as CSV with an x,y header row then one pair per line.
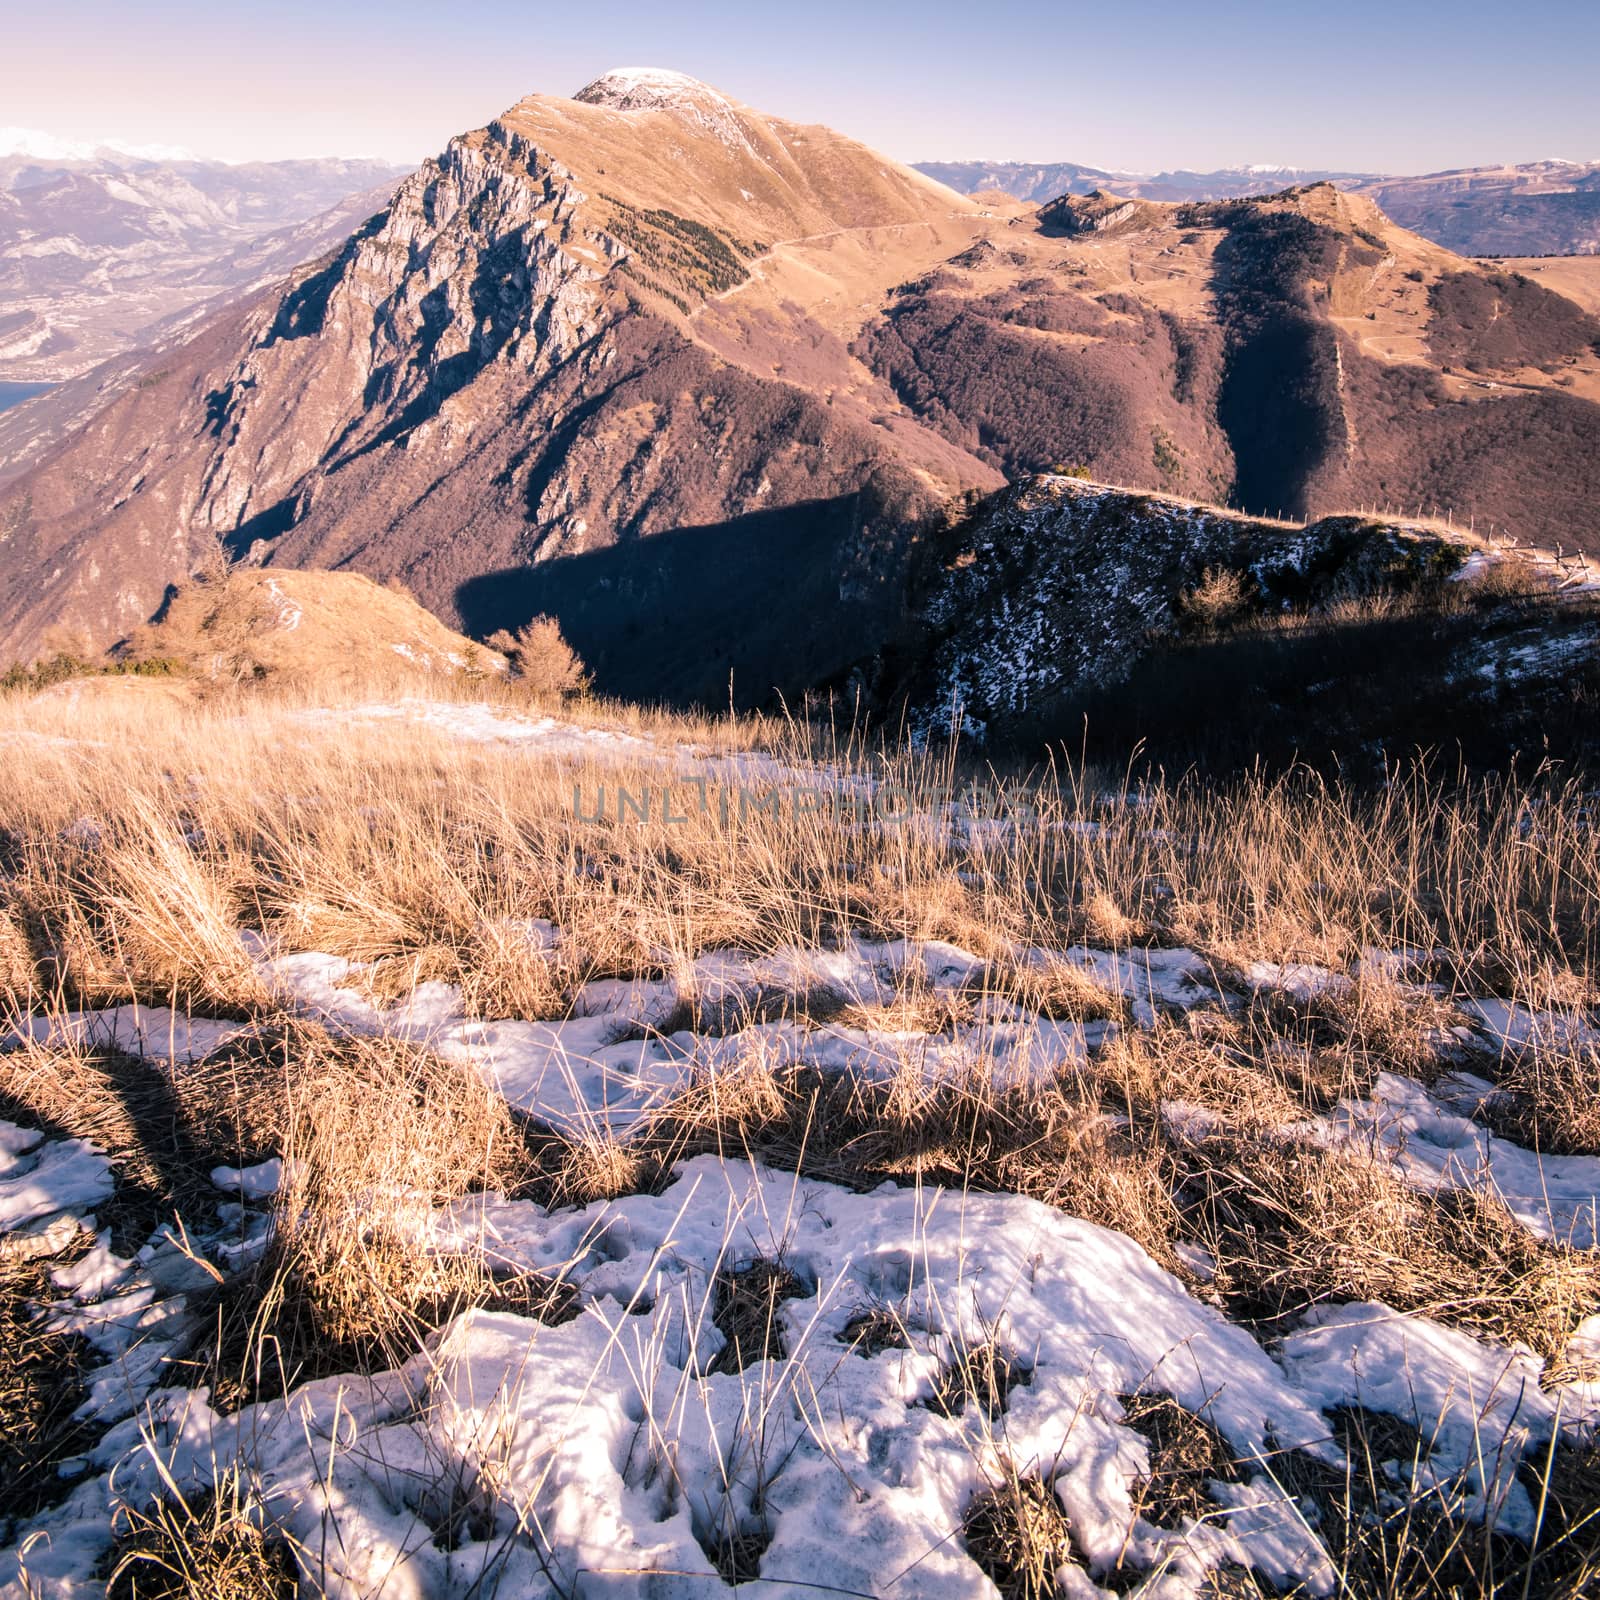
x,y
648,89
661,89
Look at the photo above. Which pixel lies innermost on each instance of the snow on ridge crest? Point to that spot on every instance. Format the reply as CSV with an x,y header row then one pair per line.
x,y
646,89
662,89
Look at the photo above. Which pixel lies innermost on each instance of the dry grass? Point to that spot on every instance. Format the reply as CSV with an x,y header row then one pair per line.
x,y
215,1544
1187,1455
1018,1534
746,1313
1426,1546
116,1101
376,1135
386,840
871,1332
1053,986
132,867
1291,1225
1550,1101
41,1385
983,1376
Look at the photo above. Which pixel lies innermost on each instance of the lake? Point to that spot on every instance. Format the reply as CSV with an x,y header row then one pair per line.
x,y
13,394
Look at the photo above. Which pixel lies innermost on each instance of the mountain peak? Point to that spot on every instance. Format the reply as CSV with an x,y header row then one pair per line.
x,y
649,89
633,89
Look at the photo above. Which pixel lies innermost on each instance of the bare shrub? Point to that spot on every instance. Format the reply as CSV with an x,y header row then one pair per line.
x,y
1222,596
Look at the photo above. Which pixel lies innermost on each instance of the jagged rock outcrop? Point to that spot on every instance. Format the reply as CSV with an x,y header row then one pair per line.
x,y
1064,609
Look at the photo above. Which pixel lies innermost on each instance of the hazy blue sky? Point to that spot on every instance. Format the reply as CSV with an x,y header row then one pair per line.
x,y
1392,85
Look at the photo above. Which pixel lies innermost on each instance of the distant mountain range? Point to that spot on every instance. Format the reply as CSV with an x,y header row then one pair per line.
x,y
1050,180
701,382
1547,208
1541,208
105,249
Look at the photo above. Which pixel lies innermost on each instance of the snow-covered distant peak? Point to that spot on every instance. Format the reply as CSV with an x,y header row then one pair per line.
x,y
40,146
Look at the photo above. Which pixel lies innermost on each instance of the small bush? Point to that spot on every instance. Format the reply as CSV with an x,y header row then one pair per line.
x,y
541,659
1019,1535
1221,597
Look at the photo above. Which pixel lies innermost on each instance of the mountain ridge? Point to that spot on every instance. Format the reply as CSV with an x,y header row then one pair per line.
x,y
1549,207
605,346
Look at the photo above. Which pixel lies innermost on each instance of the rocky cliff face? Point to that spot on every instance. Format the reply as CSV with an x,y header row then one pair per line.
x,y
1066,610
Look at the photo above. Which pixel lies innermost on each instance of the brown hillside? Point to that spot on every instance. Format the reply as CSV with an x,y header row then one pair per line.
x,y
592,321
1298,353
312,628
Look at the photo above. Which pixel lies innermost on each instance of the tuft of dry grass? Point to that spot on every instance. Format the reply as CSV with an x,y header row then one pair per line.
x,y
19,977
1053,987
1018,1535
298,1314
1105,922
1187,1455
1206,1061
376,1135
745,1312
215,1544
1291,1225
1549,1100
911,1011
874,1330
120,1103
982,1375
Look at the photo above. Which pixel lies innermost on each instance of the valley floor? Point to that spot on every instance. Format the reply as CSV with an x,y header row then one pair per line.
x,y
454,1149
